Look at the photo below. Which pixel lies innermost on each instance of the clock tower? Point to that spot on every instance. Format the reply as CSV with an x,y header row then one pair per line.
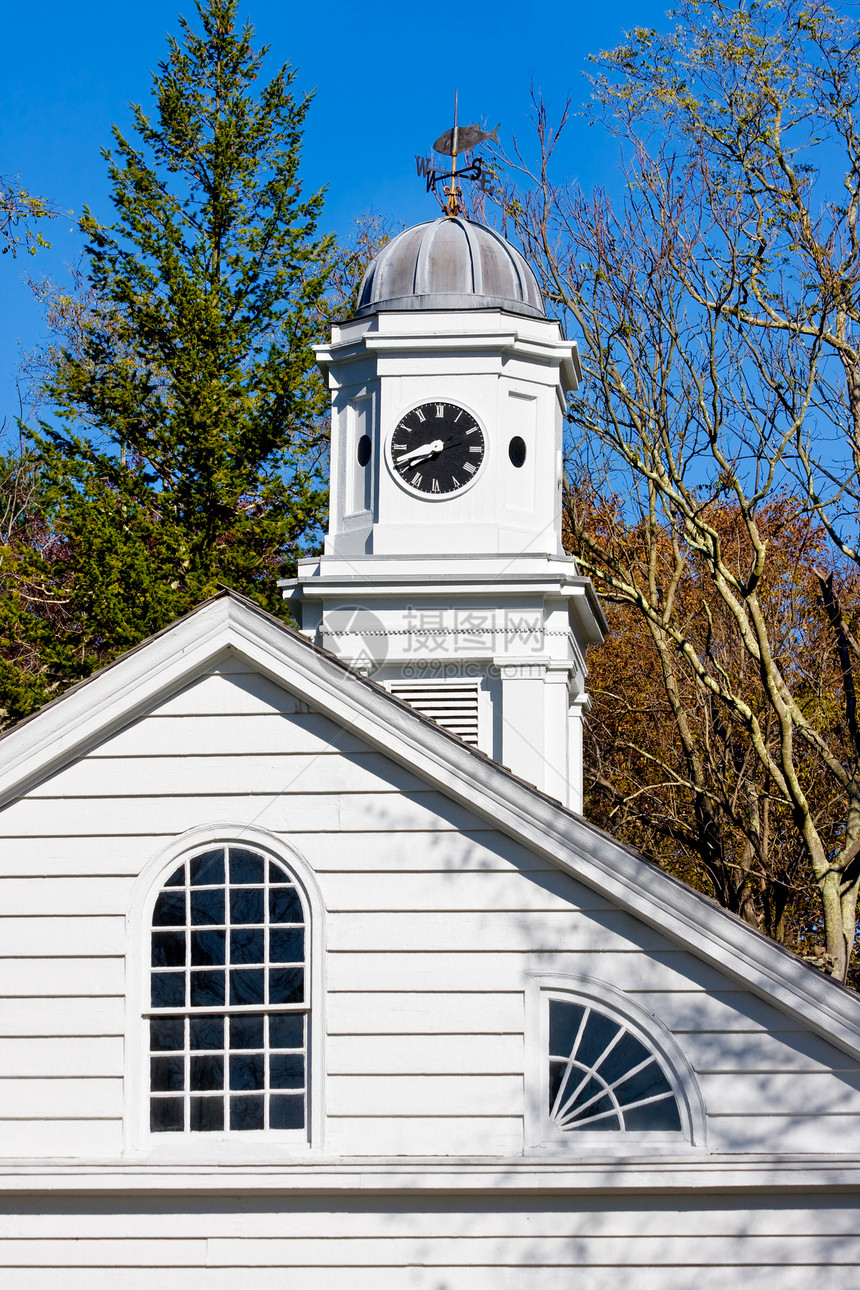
x,y
443,572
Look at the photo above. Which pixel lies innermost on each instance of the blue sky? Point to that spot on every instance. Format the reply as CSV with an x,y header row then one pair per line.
x,y
384,75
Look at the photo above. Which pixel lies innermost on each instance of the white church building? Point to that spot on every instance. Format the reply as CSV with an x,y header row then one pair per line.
x,y
311,971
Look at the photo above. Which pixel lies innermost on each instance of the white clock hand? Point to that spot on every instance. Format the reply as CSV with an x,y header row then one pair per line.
x,y
418,454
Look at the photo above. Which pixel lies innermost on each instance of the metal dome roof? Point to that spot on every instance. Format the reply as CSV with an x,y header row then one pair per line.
x,y
449,263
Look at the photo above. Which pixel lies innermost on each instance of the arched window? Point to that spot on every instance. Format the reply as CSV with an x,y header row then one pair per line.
x,y
229,997
604,1074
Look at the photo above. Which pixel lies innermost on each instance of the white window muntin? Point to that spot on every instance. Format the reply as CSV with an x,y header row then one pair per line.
x,y
228,996
545,1133
224,1146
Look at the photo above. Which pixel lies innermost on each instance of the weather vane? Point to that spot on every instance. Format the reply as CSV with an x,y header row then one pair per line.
x,y
459,141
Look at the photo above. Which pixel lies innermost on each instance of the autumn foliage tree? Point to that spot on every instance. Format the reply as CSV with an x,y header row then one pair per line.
x,y
716,306
665,770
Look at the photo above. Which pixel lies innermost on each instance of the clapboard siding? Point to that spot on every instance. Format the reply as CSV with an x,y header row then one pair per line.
x,y
89,1138
434,922
230,693
472,969
389,1055
408,892
61,1098
63,937
62,1016
444,1013
388,1096
802,1134
67,1057
491,932
285,813
340,1218
27,977
536,1245
125,854
64,895
393,1135
777,1276
801,1093
364,772
224,736
399,1252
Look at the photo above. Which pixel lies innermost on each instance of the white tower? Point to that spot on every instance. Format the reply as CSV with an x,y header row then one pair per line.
x,y
443,572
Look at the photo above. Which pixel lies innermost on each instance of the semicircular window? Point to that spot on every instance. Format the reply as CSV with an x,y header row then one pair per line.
x,y
602,1077
228,1011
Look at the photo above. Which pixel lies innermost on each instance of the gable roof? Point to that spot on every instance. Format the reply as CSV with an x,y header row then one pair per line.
x,y
229,624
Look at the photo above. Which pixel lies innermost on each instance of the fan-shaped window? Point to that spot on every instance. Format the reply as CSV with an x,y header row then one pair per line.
x,y
604,1075
602,1078
229,1008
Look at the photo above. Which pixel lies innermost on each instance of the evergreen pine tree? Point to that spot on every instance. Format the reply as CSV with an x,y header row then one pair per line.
x,y
190,410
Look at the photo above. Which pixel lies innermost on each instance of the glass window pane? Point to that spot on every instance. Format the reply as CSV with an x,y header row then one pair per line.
x,y
655,1117
207,948
599,1032
207,1114
168,990
205,1032
207,989
287,1070
167,1114
608,1123
646,1083
246,904
207,1073
246,986
208,870
246,1032
247,945
177,878
286,985
169,909
287,945
246,1112
277,874
286,1112
168,949
285,906
207,906
167,1074
591,1088
246,1071
286,1030
564,1023
626,1054
245,867
167,1033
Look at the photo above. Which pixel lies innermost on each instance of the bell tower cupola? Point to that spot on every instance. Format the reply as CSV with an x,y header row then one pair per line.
x,y
443,572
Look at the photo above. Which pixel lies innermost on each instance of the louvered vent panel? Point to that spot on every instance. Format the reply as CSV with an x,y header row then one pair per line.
x,y
453,705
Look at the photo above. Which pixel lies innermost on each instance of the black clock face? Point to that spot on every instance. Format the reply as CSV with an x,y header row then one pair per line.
x,y
437,449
